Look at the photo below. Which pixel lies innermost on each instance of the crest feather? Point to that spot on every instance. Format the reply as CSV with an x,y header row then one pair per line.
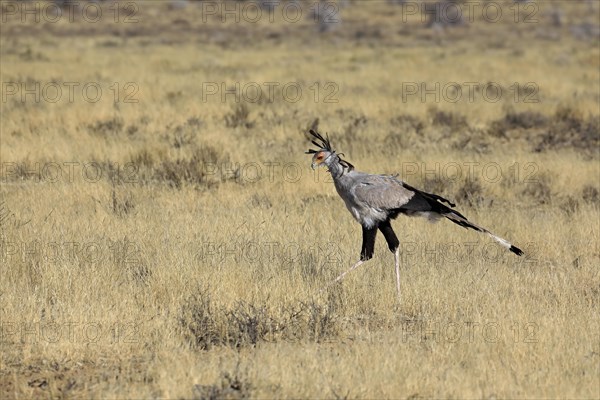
x,y
326,145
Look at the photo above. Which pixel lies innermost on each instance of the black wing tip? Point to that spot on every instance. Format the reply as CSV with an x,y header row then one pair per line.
x,y
516,250
443,200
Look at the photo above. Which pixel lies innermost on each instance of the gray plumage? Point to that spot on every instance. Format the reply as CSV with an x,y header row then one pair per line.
x,y
373,200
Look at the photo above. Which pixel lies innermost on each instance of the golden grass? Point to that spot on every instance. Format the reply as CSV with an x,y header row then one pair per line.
x,y
173,248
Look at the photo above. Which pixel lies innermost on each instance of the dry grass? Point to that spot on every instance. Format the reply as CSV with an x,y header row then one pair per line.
x,y
175,247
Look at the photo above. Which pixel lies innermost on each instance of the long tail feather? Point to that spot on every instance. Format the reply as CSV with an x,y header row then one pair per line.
x,y
462,221
430,205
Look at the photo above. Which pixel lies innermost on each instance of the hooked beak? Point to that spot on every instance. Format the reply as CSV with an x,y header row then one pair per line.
x,y
313,166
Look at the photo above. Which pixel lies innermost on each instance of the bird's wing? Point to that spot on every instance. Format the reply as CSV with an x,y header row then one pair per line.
x,y
389,193
382,191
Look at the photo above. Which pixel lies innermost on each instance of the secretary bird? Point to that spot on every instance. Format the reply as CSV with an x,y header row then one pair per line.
x,y
374,200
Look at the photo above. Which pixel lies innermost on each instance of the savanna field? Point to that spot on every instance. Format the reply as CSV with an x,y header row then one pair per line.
x,y
163,234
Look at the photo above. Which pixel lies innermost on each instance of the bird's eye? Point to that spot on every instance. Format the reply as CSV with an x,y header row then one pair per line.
x,y
320,157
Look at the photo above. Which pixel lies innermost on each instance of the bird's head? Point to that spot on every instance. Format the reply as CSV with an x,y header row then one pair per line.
x,y
325,155
324,152
320,158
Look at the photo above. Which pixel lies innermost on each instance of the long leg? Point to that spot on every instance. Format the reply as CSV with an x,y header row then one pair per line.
x,y
397,262
368,243
394,246
386,228
366,252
